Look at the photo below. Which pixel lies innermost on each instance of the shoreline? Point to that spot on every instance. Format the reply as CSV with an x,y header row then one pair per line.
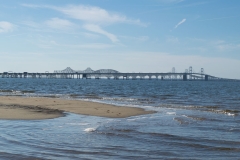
x,y
38,108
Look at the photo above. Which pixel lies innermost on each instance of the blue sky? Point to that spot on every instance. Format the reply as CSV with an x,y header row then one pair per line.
x,y
125,35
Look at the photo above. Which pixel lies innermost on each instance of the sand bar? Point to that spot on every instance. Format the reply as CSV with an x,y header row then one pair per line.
x,y
33,108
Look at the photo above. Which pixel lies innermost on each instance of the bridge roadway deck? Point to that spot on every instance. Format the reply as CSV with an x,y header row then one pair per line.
x,y
133,76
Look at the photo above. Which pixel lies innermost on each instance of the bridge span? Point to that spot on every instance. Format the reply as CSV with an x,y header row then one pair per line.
x,y
69,73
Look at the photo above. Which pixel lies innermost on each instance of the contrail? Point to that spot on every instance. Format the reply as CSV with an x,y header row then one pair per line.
x,y
181,22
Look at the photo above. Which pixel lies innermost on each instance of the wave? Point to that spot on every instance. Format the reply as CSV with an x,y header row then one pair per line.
x,y
195,117
16,91
213,109
90,129
181,121
225,111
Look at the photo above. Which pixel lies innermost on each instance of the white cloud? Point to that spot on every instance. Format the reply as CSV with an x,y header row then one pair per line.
x,y
223,46
92,14
181,22
59,23
217,46
93,18
6,27
227,47
98,29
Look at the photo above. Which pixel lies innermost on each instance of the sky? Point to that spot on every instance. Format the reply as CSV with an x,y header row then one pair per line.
x,y
125,35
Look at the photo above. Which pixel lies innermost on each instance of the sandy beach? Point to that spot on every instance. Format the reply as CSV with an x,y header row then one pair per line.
x,y
33,108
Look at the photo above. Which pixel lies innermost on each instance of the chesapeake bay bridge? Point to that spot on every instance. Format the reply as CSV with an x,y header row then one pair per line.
x,y
68,73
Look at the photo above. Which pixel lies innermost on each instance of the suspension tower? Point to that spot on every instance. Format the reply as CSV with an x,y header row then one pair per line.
x,y
190,71
202,72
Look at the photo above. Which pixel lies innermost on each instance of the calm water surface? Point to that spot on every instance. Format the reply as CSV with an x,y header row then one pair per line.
x,y
194,120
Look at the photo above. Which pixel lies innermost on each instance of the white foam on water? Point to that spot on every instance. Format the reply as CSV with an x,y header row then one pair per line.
x,y
16,91
78,124
116,103
89,129
230,114
171,113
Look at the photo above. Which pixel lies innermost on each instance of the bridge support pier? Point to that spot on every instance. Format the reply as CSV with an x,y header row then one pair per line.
x,y
25,74
185,77
206,77
84,76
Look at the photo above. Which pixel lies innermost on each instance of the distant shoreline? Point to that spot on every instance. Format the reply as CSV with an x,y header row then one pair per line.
x,y
37,108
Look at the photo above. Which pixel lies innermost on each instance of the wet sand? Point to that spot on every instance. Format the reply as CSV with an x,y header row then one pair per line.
x,y
33,108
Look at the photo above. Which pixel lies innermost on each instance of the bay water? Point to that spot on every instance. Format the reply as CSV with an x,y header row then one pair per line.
x,y
193,120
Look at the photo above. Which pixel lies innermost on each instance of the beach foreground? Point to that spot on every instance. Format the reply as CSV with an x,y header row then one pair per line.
x,y
33,108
